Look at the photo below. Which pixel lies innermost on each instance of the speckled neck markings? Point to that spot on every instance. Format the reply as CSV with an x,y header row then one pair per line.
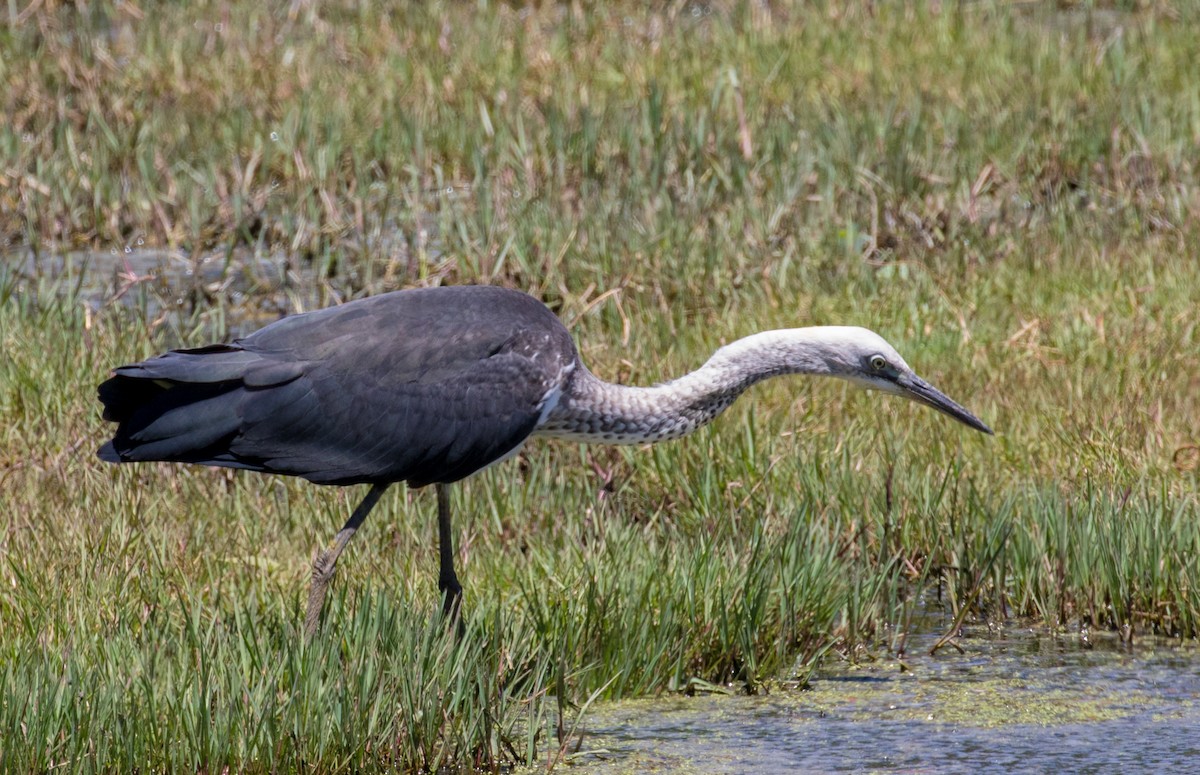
x,y
591,410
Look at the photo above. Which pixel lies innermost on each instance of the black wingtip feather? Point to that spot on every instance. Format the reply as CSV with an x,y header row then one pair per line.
x,y
122,396
162,420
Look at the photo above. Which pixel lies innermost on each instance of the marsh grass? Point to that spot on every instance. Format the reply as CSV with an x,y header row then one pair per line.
x,y
1007,194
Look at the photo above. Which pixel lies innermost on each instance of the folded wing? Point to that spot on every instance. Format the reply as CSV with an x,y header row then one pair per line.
x,y
415,386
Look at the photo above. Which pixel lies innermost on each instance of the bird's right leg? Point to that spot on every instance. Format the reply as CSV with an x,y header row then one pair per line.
x,y
325,562
447,579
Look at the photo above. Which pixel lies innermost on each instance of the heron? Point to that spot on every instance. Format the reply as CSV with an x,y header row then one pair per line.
x,y
430,385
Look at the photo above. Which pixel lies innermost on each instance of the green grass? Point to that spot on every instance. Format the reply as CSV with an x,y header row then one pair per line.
x,y
1008,194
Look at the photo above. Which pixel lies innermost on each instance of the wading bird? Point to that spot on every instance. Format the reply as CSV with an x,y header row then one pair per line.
x,y
428,386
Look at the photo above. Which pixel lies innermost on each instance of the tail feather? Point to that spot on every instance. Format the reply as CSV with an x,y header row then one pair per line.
x,y
140,384
122,396
161,420
181,424
181,406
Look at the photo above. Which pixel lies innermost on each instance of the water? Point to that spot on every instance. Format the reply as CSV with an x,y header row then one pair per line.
x,y
1017,703
227,293
241,291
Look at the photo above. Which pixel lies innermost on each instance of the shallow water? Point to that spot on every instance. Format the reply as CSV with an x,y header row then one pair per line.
x,y
224,293
1016,703
227,294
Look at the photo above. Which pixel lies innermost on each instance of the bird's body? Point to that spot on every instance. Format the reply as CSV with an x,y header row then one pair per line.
x,y
420,386
428,386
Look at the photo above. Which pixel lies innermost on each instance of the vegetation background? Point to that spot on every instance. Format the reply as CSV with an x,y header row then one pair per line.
x,y
1007,191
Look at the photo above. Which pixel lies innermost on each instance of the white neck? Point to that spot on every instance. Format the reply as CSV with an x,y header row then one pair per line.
x,y
590,409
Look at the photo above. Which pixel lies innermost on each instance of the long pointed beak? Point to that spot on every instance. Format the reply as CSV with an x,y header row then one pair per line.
x,y
912,386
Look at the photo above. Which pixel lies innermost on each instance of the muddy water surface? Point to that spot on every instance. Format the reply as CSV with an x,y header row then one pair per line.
x,y
1016,703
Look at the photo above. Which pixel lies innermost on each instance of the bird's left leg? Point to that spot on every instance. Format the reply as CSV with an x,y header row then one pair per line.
x,y
325,562
447,580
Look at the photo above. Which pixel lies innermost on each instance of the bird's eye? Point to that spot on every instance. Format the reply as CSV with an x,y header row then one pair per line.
x,y
878,362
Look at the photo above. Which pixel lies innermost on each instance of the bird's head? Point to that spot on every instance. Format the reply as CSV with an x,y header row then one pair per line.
x,y
863,357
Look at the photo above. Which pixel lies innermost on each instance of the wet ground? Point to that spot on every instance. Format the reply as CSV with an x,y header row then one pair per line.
x,y
1010,703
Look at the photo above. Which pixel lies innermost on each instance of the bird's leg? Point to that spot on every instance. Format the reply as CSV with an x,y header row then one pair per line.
x,y
447,580
325,562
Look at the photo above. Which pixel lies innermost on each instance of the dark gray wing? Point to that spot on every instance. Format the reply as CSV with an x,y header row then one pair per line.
x,y
425,386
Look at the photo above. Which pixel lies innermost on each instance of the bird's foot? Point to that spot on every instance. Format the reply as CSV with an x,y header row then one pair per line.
x,y
323,567
324,564
312,619
452,605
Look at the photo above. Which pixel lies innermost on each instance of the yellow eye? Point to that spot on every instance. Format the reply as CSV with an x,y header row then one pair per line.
x,y
878,362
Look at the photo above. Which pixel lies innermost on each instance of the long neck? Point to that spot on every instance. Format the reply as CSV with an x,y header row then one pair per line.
x,y
596,411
